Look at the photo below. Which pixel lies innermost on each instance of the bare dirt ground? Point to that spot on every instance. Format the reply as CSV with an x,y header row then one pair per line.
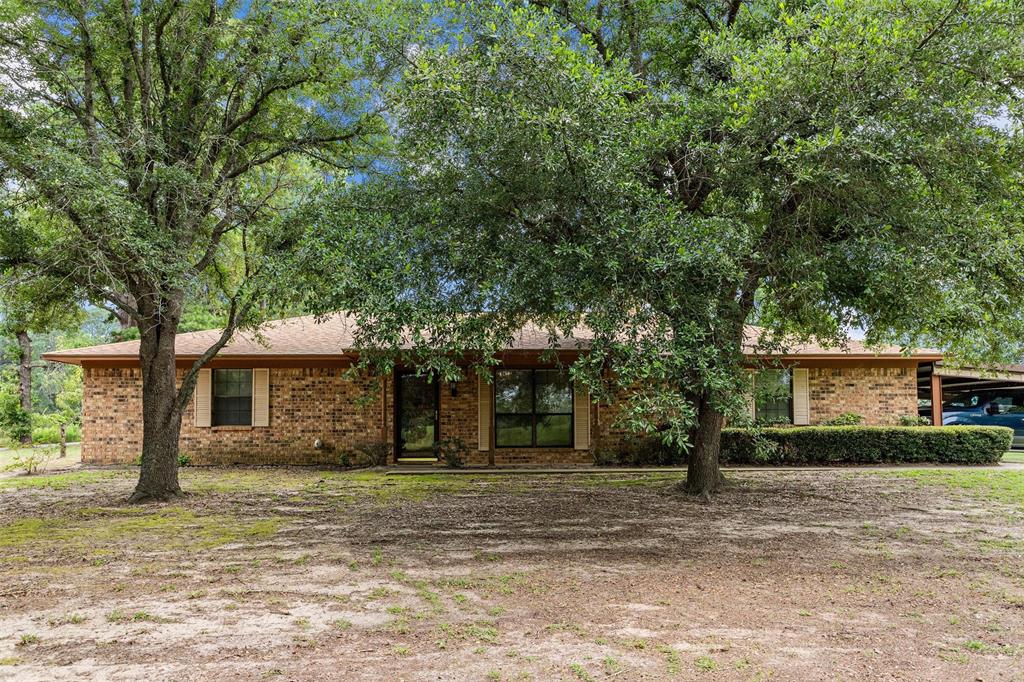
x,y
304,575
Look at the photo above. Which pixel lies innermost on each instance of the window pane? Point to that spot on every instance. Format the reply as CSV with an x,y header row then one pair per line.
x,y
554,429
232,382
553,391
513,430
232,397
774,394
513,392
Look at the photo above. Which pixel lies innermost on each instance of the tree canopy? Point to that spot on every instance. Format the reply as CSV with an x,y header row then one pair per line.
x,y
667,172
173,145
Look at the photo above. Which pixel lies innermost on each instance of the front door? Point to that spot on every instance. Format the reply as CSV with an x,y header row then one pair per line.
x,y
417,407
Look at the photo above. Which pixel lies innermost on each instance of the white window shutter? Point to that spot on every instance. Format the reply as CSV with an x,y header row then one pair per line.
x,y
202,398
483,428
801,397
581,417
261,397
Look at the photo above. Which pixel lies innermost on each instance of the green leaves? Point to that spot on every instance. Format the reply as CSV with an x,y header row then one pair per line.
x,y
667,175
173,145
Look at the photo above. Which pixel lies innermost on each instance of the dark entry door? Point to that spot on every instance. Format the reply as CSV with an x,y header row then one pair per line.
x,y
417,416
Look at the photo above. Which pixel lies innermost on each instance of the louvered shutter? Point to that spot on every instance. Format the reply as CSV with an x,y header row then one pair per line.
x,y
801,397
202,398
581,417
483,427
261,397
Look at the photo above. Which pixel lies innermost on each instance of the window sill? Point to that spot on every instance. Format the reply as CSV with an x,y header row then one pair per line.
x,y
232,427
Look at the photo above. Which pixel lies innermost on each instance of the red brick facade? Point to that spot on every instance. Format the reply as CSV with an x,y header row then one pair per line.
x,y
879,394
308,404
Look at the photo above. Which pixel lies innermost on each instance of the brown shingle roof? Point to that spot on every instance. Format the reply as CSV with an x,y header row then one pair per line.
x,y
299,337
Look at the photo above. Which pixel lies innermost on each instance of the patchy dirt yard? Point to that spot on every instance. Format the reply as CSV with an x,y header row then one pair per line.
x,y
305,575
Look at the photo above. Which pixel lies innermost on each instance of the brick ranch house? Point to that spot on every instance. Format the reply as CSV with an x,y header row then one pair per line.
x,y
287,399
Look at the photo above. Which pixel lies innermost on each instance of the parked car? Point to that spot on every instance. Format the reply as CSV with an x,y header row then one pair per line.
x,y
993,407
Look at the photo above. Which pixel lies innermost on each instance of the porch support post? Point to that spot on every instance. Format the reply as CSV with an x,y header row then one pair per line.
x,y
936,399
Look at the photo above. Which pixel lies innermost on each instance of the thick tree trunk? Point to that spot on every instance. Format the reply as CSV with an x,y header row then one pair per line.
x,y
25,376
161,416
703,476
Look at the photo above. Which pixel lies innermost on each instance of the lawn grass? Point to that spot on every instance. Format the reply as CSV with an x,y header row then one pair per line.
x,y
1014,457
999,486
100,528
74,453
62,481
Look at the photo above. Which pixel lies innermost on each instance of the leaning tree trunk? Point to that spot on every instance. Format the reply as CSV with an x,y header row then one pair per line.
x,y
161,416
703,476
25,377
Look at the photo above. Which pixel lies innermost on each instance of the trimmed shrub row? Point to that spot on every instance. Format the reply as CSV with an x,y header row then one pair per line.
x,y
828,445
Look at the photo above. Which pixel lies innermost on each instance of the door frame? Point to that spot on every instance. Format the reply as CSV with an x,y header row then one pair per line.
x,y
399,458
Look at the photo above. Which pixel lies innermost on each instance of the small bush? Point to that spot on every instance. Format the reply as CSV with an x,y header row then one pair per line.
x,y
913,420
372,454
773,421
828,445
50,433
845,419
15,423
30,462
649,450
605,457
452,451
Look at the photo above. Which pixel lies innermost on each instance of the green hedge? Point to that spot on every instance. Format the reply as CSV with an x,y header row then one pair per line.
x,y
51,433
828,445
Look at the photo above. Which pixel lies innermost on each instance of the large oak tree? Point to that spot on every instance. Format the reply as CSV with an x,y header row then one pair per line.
x,y
669,171
173,143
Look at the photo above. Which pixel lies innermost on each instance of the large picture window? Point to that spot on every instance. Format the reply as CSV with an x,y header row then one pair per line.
x,y
532,408
232,397
773,396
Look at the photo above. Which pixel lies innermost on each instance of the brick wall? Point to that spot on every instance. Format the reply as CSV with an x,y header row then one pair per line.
x,y
306,404
879,394
323,403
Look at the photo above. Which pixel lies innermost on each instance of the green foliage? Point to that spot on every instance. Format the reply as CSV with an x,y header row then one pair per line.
x,y
827,445
30,461
641,450
168,153
666,173
650,450
845,419
184,459
605,456
913,420
15,422
50,433
453,452
372,454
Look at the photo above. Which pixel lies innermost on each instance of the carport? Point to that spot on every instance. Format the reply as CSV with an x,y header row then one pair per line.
x,y
938,384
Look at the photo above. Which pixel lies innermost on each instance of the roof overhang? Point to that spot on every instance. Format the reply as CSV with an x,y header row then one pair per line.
x,y
1015,374
347,358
